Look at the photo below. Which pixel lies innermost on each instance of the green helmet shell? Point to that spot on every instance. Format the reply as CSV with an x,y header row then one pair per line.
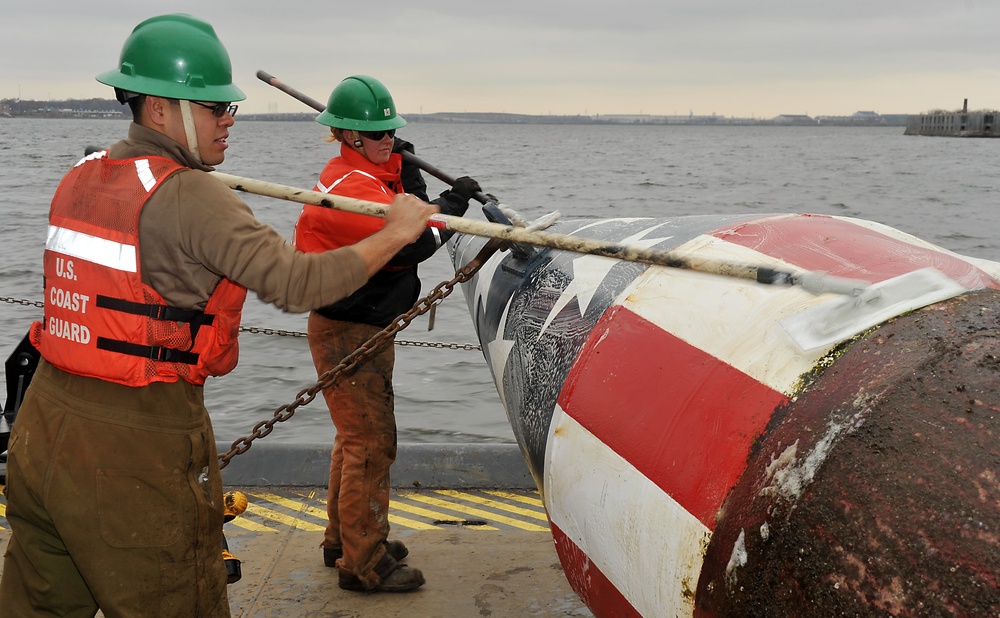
x,y
361,103
177,57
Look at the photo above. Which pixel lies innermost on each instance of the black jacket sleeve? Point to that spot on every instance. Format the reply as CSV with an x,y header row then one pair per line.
x,y
450,203
410,176
431,239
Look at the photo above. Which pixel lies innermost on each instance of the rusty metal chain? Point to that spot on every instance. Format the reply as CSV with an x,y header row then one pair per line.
x,y
257,330
440,345
23,301
365,351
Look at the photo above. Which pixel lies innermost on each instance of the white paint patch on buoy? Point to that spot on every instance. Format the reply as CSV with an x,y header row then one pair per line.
x,y
790,476
737,559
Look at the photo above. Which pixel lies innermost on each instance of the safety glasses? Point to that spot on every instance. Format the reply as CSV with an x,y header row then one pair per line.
x,y
219,109
377,135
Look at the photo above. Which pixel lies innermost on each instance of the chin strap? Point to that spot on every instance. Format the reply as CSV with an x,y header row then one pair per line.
x,y
190,132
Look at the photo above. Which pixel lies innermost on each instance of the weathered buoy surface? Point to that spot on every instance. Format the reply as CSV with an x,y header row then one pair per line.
x,y
695,460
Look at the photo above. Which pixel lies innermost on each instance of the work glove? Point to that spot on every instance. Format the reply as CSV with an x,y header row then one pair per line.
x,y
410,176
399,145
455,200
465,187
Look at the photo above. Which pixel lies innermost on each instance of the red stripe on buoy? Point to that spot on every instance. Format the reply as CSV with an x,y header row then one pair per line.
x,y
845,249
667,408
594,588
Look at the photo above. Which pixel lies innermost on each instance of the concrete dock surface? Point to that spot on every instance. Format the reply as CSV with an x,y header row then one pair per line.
x,y
469,514
470,573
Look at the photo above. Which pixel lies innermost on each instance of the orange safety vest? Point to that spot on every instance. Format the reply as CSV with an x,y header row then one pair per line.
x,y
351,175
101,320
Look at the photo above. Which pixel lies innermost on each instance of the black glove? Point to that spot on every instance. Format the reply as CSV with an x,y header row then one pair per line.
x,y
465,187
399,145
413,181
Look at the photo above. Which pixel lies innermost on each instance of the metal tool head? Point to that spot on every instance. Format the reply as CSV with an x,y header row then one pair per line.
x,y
830,323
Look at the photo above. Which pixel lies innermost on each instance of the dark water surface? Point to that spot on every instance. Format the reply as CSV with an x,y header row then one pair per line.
x,y
943,190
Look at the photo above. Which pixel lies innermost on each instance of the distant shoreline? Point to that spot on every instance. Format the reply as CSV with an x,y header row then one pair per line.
x,y
520,119
112,110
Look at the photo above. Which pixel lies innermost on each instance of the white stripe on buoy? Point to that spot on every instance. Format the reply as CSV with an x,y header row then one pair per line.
x,y
647,545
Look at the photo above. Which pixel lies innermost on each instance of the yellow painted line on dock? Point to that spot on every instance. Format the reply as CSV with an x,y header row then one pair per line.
x,y
434,515
394,519
493,504
406,522
294,505
271,509
288,520
315,498
444,504
399,520
506,495
250,525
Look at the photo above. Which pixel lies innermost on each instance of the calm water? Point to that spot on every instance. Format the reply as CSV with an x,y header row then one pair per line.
x,y
942,190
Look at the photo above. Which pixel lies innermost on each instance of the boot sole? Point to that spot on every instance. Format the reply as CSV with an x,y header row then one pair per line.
x,y
352,583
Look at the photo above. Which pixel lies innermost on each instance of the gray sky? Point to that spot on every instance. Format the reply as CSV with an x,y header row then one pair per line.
x,y
730,57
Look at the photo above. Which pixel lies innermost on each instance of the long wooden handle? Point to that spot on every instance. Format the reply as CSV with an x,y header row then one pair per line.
x,y
814,282
457,224
269,79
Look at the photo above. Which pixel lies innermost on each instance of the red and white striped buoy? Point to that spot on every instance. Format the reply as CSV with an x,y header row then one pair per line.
x,y
695,460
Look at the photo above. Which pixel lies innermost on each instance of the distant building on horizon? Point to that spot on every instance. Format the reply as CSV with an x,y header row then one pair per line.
x,y
963,123
792,119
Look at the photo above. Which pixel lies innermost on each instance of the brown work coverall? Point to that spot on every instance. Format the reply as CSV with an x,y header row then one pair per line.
x,y
114,495
361,407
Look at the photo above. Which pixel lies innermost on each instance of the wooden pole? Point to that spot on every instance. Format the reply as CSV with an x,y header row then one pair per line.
x,y
814,282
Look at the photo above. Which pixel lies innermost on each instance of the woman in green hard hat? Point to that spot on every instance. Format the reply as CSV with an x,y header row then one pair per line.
x,y
114,495
363,119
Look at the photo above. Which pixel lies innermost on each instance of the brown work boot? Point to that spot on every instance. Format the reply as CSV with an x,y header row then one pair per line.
x,y
396,549
403,579
395,578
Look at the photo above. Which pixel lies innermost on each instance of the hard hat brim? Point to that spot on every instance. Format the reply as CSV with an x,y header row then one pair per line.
x,y
159,88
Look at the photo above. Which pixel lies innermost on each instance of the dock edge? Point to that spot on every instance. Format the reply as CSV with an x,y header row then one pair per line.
x,y
451,466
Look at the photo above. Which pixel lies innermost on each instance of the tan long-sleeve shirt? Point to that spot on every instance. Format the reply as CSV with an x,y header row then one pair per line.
x,y
195,230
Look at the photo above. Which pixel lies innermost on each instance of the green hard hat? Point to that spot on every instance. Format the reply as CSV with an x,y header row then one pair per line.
x,y
361,103
177,57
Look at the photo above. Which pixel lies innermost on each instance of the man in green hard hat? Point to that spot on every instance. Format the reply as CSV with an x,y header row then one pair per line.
x,y
114,495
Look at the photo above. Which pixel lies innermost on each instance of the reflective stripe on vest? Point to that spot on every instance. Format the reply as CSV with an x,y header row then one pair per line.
x,y
101,321
92,248
326,189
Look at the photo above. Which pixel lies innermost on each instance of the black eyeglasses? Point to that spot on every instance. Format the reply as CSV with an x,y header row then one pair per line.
x,y
219,109
377,135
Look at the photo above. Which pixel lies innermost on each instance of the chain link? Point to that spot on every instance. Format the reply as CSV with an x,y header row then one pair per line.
x,y
440,344
257,330
286,333
23,301
349,363
365,351
416,344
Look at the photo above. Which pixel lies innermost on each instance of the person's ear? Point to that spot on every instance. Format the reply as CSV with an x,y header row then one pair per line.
x,y
155,109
